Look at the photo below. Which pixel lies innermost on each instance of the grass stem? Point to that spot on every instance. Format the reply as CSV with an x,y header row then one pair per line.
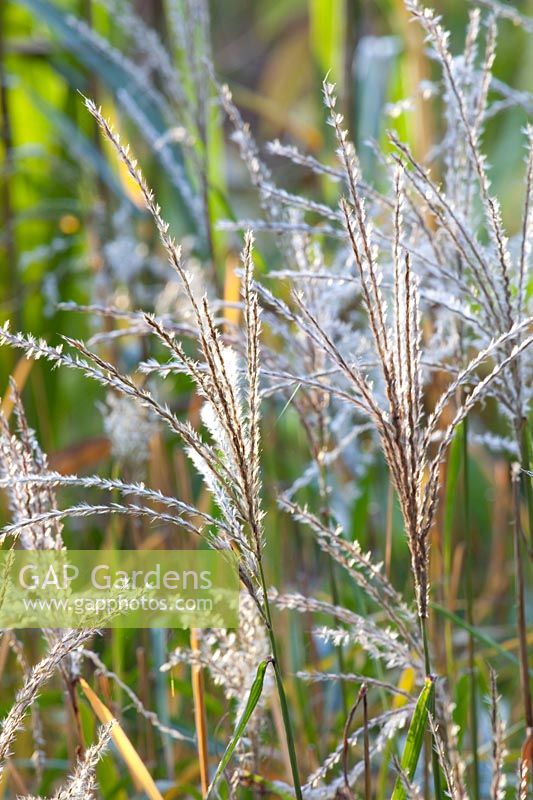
x,y
521,613
281,689
335,598
470,614
427,666
200,720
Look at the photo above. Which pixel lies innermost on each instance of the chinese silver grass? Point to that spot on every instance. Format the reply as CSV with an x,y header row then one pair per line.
x,y
498,275
390,394
508,12
215,384
100,509
34,681
389,724
37,520
82,785
317,787
524,772
38,756
136,702
32,486
234,435
381,643
351,677
396,338
20,456
363,570
412,790
109,376
259,173
455,758
455,790
230,465
231,658
394,293
130,429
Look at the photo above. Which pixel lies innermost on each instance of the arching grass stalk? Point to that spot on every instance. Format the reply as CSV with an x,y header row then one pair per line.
x,y
231,465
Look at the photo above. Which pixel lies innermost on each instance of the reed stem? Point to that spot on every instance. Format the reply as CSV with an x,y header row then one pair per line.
x,y
427,667
200,721
470,614
335,598
525,459
334,589
281,689
521,612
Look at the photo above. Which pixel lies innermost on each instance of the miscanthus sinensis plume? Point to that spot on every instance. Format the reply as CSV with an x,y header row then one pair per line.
x,y
20,457
229,463
130,429
385,384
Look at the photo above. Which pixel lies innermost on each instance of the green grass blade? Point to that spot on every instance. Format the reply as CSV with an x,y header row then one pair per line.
x,y
449,514
415,738
122,79
482,637
452,477
327,27
253,699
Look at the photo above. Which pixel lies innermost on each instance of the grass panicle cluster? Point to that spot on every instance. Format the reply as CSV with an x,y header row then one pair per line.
x,y
399,309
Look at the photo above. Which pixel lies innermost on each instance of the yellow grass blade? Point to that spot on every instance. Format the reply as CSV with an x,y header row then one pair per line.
x,y
232,291
132,759
407,684
20,376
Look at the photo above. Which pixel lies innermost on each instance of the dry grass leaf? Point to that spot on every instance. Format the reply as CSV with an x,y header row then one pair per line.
x,y
232,292
19,376
133,761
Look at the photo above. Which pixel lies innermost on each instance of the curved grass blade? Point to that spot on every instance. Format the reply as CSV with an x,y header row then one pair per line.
x,y
19,376
482,637
415,738
253,699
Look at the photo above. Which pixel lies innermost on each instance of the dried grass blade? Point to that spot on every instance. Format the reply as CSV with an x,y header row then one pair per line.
x,y
133,761
19,378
